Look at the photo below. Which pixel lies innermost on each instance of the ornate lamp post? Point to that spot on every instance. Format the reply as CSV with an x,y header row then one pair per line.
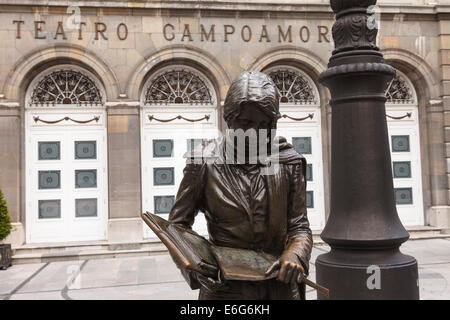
x,y
363,230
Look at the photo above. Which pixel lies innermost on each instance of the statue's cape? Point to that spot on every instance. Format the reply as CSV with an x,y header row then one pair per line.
x,y
213,150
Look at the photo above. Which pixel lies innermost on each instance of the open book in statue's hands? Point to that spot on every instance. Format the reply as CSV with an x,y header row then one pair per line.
x,y
188,249
243,264
191,251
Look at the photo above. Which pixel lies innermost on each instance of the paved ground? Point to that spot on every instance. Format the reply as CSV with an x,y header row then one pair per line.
x,y
157,277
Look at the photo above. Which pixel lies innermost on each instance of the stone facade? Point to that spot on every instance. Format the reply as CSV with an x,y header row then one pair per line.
x,y
123,42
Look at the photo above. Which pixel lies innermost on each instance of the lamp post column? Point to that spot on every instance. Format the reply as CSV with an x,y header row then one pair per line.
x,y
363,229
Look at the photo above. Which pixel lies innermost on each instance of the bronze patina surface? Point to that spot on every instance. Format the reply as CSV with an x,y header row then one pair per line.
x,y
244,205
363,230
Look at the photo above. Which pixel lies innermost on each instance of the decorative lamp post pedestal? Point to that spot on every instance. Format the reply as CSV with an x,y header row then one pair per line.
x,y
363,229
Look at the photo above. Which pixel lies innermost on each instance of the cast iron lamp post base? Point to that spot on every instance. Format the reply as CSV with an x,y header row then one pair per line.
x,y
363,229
377,274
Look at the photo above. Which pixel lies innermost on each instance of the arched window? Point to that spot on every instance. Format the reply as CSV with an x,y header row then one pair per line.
x,y
66,156
178,85
294,86
178,113
300,124
65,86
400,91
403,127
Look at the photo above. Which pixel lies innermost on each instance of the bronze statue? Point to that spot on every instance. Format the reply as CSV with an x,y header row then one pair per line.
x,y
245,206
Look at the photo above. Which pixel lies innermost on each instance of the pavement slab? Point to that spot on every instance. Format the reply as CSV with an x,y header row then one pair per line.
x,y
11,278
157,277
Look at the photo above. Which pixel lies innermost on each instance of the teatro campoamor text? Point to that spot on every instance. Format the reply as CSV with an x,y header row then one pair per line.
x,y
228,32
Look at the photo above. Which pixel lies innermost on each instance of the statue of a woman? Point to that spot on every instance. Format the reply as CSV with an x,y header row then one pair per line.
x,y
246,205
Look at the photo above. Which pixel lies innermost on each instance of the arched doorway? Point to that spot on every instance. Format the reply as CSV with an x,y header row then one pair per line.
x,y
404,141
178,112
66,157
300,124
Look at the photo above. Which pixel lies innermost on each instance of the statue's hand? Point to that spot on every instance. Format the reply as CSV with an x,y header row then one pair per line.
x,y
209,283
288,267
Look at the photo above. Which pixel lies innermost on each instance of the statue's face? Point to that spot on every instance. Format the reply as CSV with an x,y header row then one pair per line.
x,y
251,117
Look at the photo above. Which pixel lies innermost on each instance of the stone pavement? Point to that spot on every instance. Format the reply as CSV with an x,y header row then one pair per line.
x,y
156,277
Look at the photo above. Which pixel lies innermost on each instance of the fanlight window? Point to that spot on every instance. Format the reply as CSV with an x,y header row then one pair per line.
x,y
293,87
66,87
178,86
398,91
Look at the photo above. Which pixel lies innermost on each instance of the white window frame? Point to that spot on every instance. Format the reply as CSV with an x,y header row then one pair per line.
x,y
312,126
407,125
206,128
64,131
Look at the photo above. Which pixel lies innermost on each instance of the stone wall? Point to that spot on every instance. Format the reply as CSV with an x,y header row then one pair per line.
x,y
122,42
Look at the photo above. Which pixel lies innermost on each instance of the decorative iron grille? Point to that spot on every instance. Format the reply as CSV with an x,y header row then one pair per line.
x,y
66,87
398,91
178,86
293,87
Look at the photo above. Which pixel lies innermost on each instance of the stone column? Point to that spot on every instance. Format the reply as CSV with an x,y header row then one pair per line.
x,y
439,215
124,167
10,166
363,230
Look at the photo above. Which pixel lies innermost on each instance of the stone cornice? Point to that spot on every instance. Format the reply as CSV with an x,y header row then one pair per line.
x,y
122,104
264,6
248,5
9,104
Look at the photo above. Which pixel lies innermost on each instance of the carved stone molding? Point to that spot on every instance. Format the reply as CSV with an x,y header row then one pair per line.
x,y
36,119
179,117
309,116
407,115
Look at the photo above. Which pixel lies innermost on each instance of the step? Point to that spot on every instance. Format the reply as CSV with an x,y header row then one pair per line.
x,y
48,248
50,252
87,254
